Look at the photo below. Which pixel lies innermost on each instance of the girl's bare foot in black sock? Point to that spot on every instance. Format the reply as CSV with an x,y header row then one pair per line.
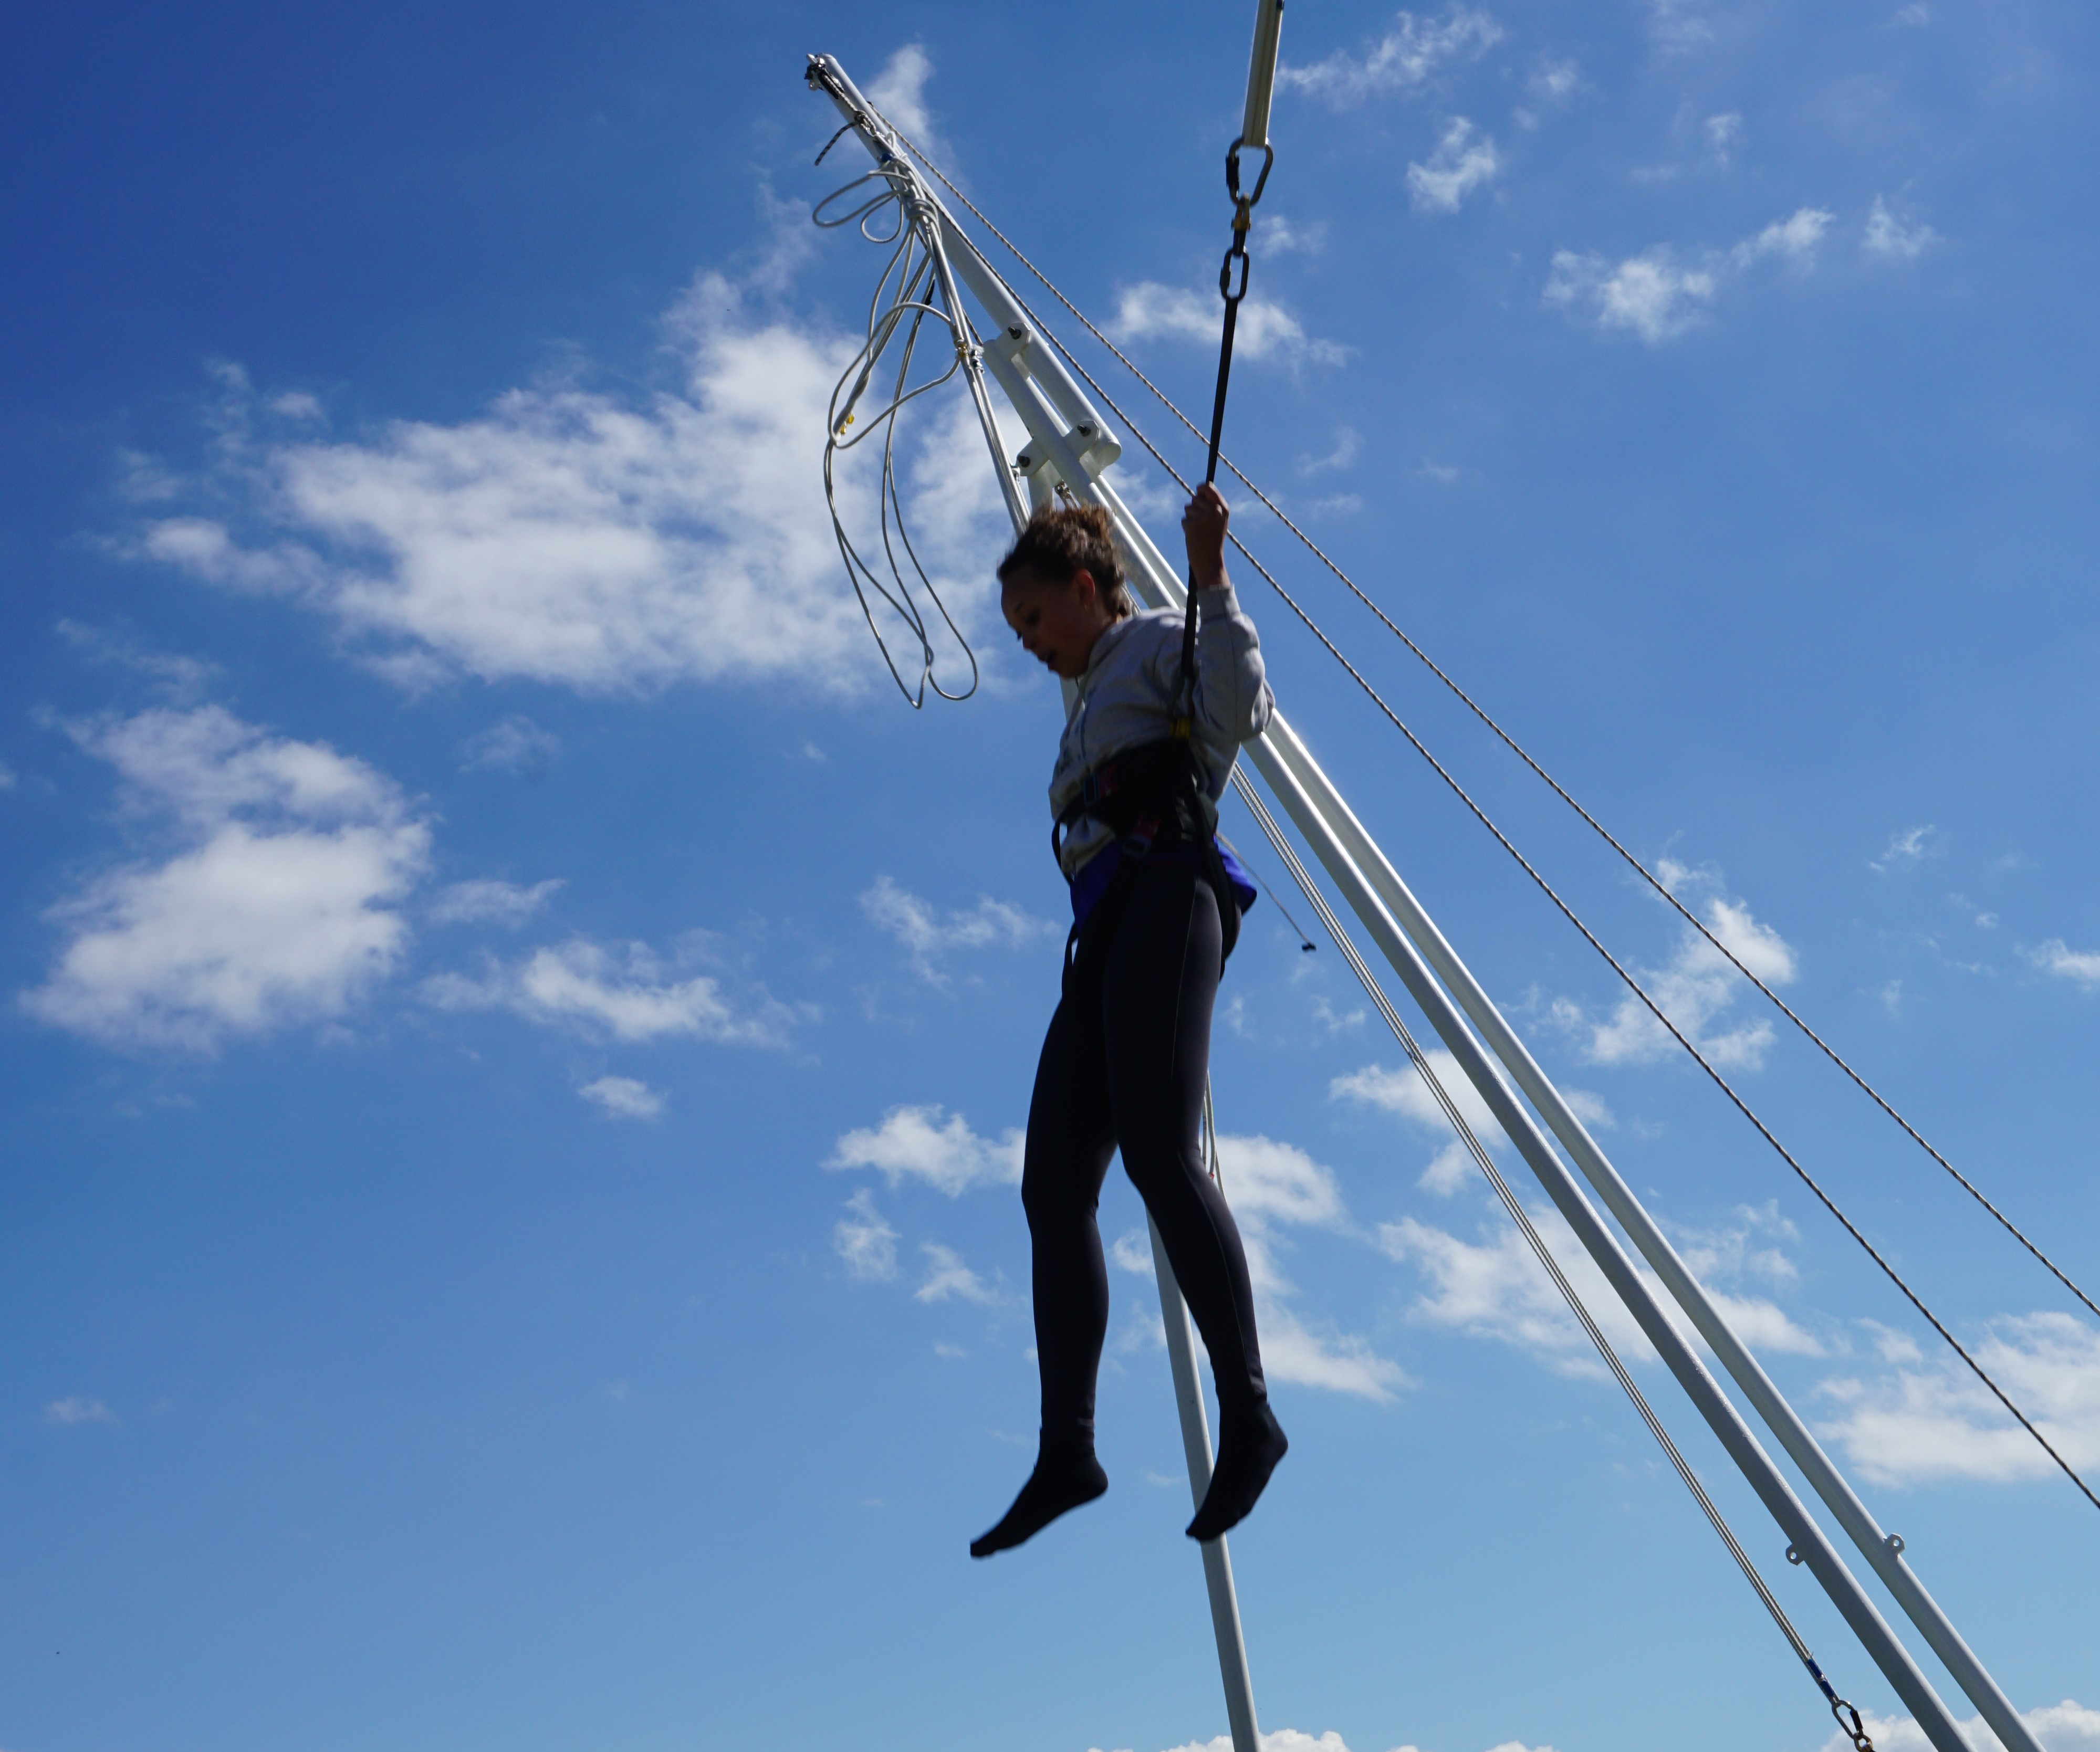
x,y
1063,1479
1249,1443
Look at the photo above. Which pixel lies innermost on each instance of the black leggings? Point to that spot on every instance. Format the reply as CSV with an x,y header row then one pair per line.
x,y
1124,1064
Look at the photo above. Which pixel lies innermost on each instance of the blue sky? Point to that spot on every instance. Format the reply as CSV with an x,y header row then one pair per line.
x,y
513,1034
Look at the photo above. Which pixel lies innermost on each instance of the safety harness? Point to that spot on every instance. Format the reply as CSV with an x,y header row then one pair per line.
x,y
1152,797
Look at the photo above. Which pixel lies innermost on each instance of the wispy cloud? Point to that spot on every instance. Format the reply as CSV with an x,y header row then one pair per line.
x,y
488,901
1650,293
1792,239
623,1097
2065,1727
1677,27
1271,1185
277,905
1464,161
2057,957
626,990
864,1241
1696,989
1657,295
947,1276
928,933
604,543
1348,446
512,744
1407,58
1494,1288
1891,238
1908,846
1931,1418
1150,310
927,1143
78,1408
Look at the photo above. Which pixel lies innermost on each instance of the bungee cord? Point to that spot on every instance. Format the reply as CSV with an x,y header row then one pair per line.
x,y
1568,912
904,300
1848,1717
1654,882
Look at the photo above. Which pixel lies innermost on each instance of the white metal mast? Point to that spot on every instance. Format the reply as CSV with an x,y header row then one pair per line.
x,y
1069,445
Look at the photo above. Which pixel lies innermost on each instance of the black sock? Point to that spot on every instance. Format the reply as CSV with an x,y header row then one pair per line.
x,y
1249,1443
1065,1476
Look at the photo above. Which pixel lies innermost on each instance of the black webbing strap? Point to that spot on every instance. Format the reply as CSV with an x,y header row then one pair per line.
x,y
1232,287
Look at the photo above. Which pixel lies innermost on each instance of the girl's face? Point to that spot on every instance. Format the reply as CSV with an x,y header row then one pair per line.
x,y
1058,624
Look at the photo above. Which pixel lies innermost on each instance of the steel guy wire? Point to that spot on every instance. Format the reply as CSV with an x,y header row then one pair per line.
x,y
1648,876
1839,1707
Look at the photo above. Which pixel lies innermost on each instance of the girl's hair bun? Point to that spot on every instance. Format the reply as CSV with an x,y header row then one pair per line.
x,y
1061,540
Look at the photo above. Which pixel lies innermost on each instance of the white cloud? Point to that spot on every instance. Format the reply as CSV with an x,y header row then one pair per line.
x,y
899,90
628,991
1555,81
916,1143
1648,293
1404,60
1794,239
1677,26
1150,310
1908,846
1448,1170
2059,958
604,543
512,744
1657,297
623,1098
78,1408
1132,1251
1462,162
1266,1181
926,932
2064,1727
1696,990
276,907
8,778
1932,1419
1403,1091
1745,1248
1890,239
1282,237
864,1241
1292,1740
1496,1288
1724,133
488,901
180,680
1269,1183
1348,446
946,1275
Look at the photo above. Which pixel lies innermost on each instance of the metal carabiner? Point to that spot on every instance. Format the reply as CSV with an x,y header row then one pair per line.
x,y
1232,170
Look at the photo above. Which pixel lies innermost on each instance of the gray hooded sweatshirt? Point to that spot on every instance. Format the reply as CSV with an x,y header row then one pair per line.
x,y
1126,699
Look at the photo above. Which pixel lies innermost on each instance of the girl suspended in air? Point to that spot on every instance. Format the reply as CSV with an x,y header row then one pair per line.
x,y
1146,752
